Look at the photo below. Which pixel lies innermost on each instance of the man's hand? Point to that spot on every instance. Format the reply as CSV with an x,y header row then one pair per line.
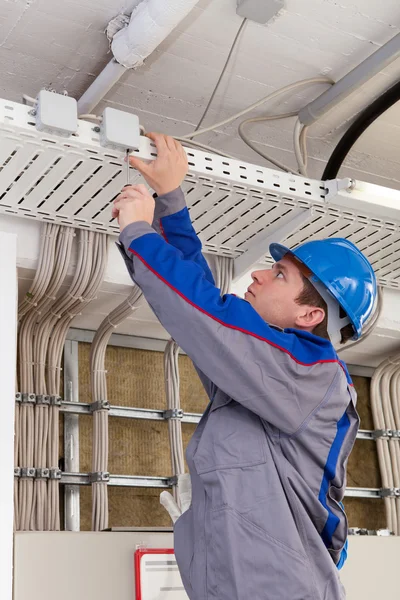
x,y
134,204
167,172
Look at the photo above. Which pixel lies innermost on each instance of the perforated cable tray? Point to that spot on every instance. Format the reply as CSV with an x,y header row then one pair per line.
x,y
237,208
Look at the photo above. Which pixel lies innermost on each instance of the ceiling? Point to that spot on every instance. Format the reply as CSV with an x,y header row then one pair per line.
x,y
62,45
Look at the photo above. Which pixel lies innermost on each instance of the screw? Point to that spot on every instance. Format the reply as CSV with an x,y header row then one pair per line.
x,y
96,129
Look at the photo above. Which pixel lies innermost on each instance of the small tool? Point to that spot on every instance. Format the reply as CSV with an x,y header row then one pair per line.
x,y
128,174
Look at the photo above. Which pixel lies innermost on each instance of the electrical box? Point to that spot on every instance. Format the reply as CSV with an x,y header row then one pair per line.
x,y
260,11
56,114
119,130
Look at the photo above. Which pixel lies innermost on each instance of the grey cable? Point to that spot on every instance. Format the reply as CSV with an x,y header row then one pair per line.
x,y
235,41
186,142
99,393
299,139
251,144
272,96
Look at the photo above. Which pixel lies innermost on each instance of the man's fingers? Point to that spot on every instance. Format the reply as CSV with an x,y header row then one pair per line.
x,y
178,146
139,165
159,141
141,188
170,143
130,192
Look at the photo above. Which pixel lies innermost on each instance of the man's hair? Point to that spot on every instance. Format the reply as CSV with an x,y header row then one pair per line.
x,y
311,297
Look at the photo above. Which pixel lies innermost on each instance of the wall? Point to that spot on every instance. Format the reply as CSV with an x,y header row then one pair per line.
x,y
370,572
135,378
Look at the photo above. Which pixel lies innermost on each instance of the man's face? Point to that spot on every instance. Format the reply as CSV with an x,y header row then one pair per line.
x,y
273,295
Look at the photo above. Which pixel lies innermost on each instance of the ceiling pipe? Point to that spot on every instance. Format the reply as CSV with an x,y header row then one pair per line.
x,y
150,23
372,65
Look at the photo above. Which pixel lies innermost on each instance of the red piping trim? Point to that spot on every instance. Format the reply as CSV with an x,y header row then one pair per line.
x,y
162,231
232,326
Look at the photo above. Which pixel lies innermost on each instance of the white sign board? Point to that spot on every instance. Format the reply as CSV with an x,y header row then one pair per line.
x,y
157,576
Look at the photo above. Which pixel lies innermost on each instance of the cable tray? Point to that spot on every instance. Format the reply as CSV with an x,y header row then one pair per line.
x,y
237,208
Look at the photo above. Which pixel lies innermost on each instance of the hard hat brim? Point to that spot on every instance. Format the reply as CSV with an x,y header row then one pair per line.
x,y
278,251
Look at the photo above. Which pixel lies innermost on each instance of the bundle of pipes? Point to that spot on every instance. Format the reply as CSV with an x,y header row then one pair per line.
x,y
25,427
100,398
223,268
385,404
45,320
43,410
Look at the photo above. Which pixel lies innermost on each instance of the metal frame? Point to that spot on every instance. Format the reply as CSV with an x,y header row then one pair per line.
x,y
72,479
71,435
167,482
127,412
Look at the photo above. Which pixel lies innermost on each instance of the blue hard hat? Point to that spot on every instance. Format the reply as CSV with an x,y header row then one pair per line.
x,y
343,270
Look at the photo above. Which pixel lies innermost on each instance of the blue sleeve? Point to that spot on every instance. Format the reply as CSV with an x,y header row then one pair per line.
x,y
281,376
343,556
172,221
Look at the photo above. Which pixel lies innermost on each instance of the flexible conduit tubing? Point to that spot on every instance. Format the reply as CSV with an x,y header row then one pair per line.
x,y
384,416
151,22
362,122
372,65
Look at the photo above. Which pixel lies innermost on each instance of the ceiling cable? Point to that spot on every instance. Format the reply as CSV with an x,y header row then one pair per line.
x,y
235,41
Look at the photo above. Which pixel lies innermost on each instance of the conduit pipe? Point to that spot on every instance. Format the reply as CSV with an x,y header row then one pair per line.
x,y
150,23
99,395
394,394
372,65
385,412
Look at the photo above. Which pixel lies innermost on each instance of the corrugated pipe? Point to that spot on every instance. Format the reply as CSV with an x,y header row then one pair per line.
x,y
150,23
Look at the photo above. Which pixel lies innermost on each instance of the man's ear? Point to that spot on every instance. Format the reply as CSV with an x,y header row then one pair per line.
x,y
309,317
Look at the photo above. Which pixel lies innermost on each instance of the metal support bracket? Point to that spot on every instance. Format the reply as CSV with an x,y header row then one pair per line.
x,y
28,472
362,531
18,397
99,477
42,474
172,481
17,472
55,474
55,400
390,493
28,398
42,400
99,405
334,186
386,434
174,413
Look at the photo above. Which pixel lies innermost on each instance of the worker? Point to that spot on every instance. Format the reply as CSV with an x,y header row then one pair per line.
x,y
268,458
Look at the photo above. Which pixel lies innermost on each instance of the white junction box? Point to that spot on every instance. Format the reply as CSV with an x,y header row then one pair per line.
x,y
260,11
119,130
56,114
